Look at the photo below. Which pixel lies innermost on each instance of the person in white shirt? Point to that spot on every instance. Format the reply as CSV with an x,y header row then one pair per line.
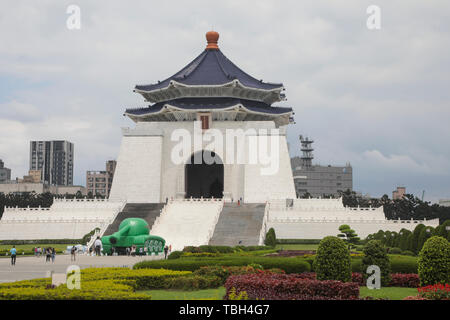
x,y
98,246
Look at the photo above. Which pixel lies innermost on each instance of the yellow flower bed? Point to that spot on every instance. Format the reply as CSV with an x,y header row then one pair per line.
x,y
96,284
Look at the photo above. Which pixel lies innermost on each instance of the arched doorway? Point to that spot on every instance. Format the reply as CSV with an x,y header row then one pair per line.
x,y
203,179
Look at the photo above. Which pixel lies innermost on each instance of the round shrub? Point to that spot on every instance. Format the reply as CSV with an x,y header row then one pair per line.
x,y
395,250
375,254
408,253
333,260
271,239
175,255
434,262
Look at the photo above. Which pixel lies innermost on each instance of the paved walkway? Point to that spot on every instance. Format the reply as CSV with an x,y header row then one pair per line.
x,y
35,267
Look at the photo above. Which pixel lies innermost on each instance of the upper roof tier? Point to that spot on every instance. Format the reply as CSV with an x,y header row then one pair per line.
x,y
212,74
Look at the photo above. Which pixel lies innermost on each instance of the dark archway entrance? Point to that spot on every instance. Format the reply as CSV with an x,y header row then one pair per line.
x,y
203,179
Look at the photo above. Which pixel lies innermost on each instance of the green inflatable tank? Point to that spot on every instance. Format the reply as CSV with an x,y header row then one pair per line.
x,y
133,231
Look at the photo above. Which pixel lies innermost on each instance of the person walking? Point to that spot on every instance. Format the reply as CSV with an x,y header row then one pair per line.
x,y
13,252
166,249
48,254
53,255
170,249
98,246
73,252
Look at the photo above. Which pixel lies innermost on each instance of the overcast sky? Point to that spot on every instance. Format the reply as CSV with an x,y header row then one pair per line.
x,y
379,99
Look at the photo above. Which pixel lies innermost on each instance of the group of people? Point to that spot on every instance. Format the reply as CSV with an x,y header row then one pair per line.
x,y
50,253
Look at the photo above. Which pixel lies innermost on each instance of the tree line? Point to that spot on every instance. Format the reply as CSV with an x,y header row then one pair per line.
x,y
407,208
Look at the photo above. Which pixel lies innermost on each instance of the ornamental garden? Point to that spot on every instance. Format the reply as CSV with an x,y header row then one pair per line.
x,y
333,269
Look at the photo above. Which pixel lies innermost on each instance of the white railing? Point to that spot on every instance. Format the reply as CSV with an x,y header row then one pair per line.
x,y
263,232
216,219
72,220
295,220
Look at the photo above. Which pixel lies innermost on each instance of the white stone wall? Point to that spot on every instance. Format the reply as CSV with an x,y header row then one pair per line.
x,y
145,171
65,219
304,229
137,178
317,218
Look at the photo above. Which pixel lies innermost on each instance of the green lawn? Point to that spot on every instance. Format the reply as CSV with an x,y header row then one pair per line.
x,y
206,294
297,246
29,247
390,293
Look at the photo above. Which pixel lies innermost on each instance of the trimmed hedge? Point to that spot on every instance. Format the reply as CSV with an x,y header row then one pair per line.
x,y
403,264
289,287
289,265
375,254
434,262
271,238
333,260
223,249
395,250
224,272
298,241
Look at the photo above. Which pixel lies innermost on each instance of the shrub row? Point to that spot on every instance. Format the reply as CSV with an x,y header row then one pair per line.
x,y
289,265
40,241
223,272
298,241
289,287
399,264
223,249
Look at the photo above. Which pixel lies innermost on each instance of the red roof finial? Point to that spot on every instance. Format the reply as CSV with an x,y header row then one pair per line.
x,y
212,37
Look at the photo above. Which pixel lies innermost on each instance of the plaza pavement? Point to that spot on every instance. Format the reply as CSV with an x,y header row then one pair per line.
x,y
35,267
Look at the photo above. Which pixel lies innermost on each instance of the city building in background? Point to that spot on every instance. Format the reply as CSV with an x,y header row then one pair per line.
x,y
399,193
5,173
55,161
34,176
17,187
444,202
317,180
100,182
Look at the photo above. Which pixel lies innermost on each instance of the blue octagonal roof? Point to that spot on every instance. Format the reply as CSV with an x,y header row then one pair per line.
x,y
211,67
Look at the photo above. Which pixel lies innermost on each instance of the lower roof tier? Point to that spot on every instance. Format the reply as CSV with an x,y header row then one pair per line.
x,y
221,109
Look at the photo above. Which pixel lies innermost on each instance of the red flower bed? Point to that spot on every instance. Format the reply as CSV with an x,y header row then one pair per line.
x,y
435,292
407,280
357,278
290,287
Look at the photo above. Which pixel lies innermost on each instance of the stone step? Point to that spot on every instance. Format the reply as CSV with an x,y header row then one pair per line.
x,y
239,225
